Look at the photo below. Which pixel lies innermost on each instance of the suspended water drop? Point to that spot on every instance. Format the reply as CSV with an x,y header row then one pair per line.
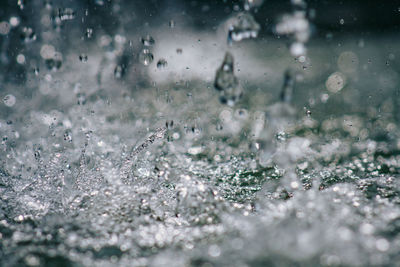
x,y
146,57
83,58
21,4
162,63
243,27
147,40
9,100
81,98
66,14
55,62
119,71
89,32
226,82
28,35
288,87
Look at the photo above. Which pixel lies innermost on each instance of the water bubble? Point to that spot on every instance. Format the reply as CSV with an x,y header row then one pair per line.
x,y
119,71
9,100
243,27
28,35
341,21
162,63
146,57
226,82
83,58
66,13
147,40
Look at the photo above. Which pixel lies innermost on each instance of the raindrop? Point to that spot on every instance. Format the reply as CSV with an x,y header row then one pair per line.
x,y
162,64
66,14
244,27
99,2
146,57
9,100
119,72
54,63
147,40
227,83
28,35
89,33
81,98
288,87
83,58
21,4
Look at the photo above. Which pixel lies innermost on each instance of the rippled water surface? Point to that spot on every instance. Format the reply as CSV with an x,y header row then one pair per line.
x,y
137,136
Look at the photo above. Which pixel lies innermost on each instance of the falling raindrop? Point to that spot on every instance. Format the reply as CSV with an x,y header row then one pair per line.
x,y
226,82
146,57
28,35
162,64
83,58
243,27
147,40
66,14
288,87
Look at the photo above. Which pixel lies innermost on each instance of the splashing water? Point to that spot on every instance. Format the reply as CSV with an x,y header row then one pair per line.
x,y
105,162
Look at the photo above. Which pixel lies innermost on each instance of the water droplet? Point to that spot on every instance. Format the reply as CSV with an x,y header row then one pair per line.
x,y
89,33
21,59
54,63
146,57
179,51
288,87
147,40
28,35
162,63
81,98
226,82
119,71
244,27
83,58
21,4
66,14
172,23
99,2
341,21
9,100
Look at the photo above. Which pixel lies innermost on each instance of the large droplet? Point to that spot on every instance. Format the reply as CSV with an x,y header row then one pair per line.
x,y
244,27
146,57
162,64
227,83
147,40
